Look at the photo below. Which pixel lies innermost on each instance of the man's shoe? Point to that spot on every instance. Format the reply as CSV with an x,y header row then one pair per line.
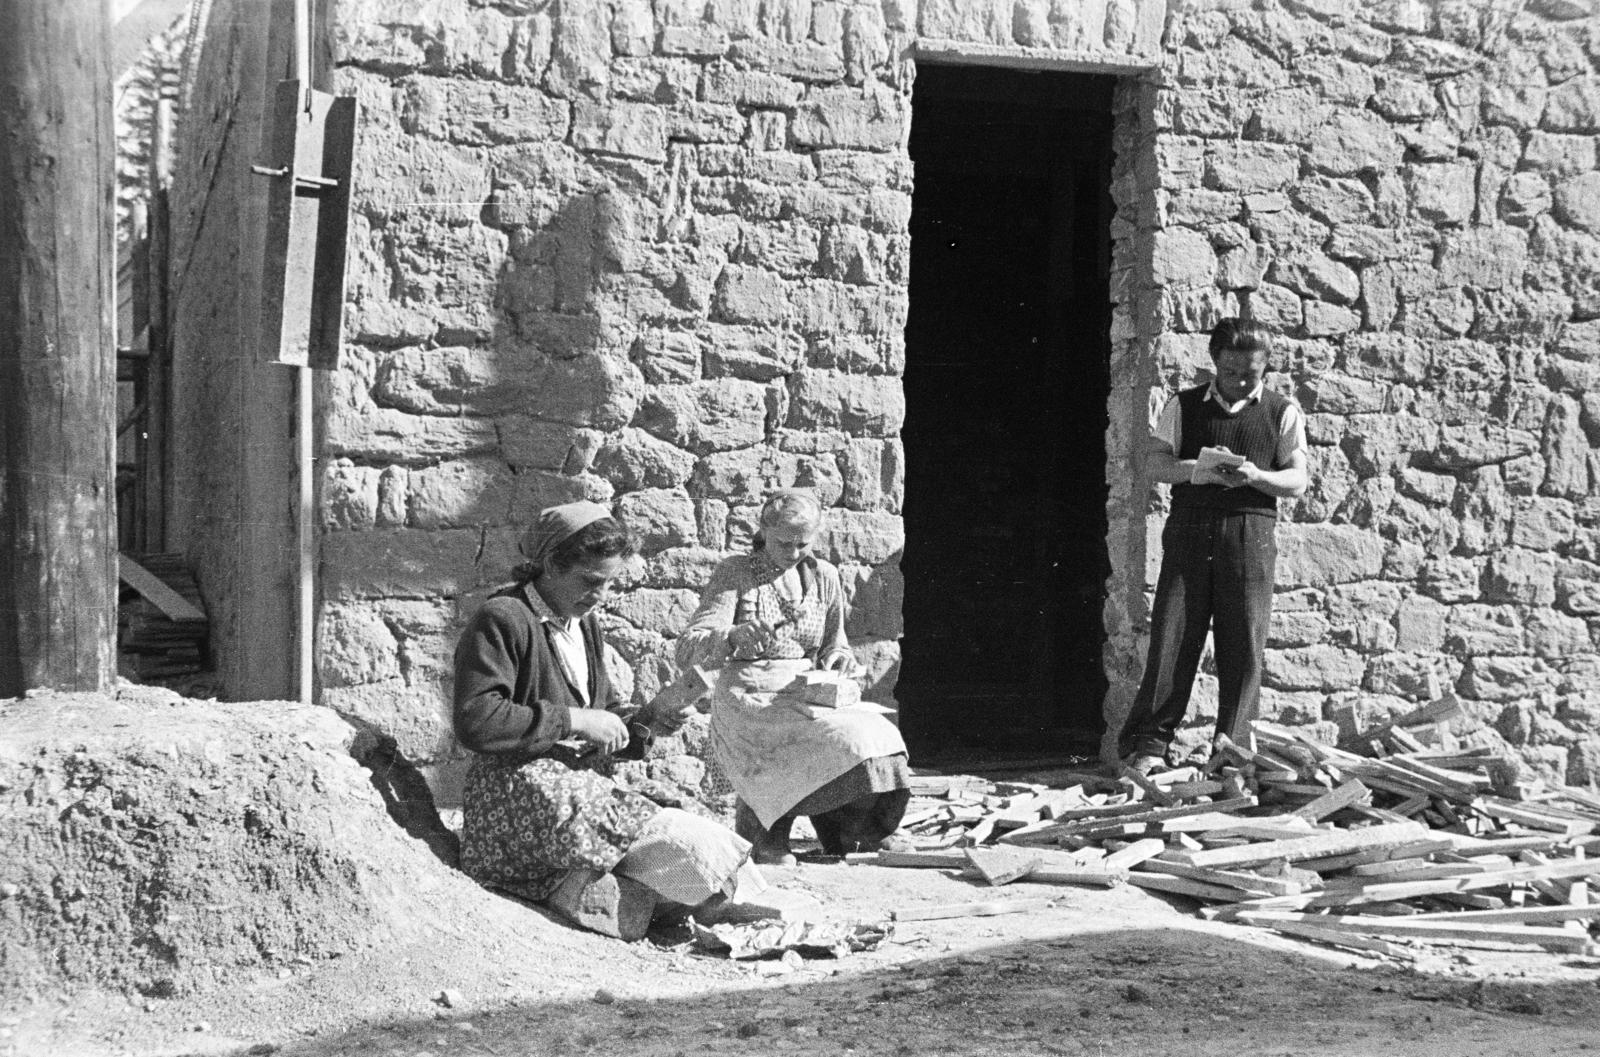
x,y
1146,764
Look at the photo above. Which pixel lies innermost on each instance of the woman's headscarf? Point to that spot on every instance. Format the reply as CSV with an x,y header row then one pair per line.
x,y
555,524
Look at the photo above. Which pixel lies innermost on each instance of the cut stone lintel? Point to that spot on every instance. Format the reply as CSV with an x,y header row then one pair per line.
x,y
935,50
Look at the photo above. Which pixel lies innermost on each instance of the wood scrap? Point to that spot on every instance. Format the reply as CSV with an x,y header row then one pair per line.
x,y
969,910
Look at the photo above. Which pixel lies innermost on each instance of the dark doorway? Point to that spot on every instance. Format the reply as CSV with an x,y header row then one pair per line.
x,y
1007,349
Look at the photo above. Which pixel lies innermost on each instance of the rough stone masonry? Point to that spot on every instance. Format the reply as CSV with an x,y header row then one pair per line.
x,y
656,255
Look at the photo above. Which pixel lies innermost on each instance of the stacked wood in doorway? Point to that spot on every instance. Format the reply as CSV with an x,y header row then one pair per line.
x,y
162,619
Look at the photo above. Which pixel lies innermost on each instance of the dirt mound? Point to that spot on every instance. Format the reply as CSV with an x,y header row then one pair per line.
x,y
165,845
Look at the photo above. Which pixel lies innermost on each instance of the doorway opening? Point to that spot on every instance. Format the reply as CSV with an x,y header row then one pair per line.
x,y
1007,386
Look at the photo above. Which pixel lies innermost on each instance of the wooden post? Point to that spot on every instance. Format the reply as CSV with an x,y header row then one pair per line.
x,y
57,348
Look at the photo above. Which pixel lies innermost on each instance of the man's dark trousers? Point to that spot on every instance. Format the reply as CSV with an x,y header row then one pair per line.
x,y
1216,571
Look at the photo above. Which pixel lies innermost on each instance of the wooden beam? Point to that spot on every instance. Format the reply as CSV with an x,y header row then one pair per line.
x,y
1436,928
1321,845
58,613
172,605
970,910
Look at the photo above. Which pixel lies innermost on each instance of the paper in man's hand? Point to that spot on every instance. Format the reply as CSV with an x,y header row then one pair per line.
x,y
1210,461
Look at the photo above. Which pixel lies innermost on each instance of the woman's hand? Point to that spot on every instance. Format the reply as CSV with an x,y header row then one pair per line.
x,y
601,729
669,719
750,639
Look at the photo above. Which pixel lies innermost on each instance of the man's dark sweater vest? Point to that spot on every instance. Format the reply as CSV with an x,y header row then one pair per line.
x,y
1253,432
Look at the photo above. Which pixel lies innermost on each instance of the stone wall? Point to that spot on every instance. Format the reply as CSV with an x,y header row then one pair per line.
x,y
656,255
651,255
1408,191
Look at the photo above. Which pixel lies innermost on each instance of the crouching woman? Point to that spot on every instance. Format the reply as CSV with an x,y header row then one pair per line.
x,y
541,817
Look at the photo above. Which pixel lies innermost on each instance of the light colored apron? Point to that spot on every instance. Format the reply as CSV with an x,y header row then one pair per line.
x,y
776,754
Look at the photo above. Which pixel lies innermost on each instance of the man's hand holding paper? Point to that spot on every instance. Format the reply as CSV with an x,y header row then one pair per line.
x,y
1217,466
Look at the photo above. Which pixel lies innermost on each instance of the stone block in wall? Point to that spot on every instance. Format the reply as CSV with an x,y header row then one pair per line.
x,y
1325,320
458,493
875,597
1277,307
755,354
1343,395
713,415
751,295
1420,624
877,670
1489,678
803,60
383,435
405,177
970,21
1181,256
1292,628
1443,193
1230,61
667,356
1251,166
416,716
1475,628
871,405
1320,554
1469,447
1559,155
1321,667
580,51
1542,524
355,646
1568,260
1353,142
1566,451
666,610
392,487
1556,636
349,496
689,566
633,459
650,80
695,122
399,563
528,443
660,518
1520,576
723,83
1574,106
865,42
1288,115
633,130
743,477
479,113
871,118
874,474
862,537
1449,579
1311,274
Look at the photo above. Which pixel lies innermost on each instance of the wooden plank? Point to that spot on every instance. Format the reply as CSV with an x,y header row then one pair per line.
x,y
1002,865
970,910
919,860
1056,830
1094,874
1493,879
1533,818
1351,792
1333,937
1184,886
1321,845
1522,914
1150,789
1433,928
1252,884
1409,850
1135,853
173,605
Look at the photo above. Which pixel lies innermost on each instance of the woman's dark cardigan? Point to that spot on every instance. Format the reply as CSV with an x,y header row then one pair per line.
x,y
512,699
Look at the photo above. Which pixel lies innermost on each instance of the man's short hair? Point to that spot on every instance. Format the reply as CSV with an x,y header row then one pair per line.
x,y
1240,335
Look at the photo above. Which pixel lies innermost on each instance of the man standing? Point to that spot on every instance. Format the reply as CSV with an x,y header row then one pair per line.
x,y
1218,549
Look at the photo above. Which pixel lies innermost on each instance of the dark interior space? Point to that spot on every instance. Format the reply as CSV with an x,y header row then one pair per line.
x,y
1006,381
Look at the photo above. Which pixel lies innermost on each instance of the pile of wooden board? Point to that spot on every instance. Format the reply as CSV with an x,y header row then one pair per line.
x,y
163,627
1388,838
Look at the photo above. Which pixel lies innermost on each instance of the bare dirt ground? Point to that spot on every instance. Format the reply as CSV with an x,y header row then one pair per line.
x,y
1115,972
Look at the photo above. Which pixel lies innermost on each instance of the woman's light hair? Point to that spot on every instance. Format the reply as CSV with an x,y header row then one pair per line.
x,y
791,507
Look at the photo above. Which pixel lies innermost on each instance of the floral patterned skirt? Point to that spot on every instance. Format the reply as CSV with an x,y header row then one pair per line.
x,y
524,827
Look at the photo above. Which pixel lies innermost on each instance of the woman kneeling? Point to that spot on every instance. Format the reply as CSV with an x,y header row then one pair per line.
x,y
765,618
